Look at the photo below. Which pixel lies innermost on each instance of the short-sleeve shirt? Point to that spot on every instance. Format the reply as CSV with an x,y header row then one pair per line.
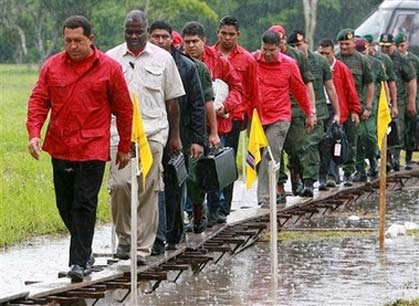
x,y
380,75
414,61
361,71
320,69
154,77
388,64
405,73
306,75
206,81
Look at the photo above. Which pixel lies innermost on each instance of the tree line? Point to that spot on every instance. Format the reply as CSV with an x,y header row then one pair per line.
x,y
31,29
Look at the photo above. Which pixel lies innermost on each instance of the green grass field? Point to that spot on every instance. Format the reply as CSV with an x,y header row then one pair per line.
x,y
27,206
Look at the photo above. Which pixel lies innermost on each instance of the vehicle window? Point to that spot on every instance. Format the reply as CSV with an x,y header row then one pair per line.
x,y
407,22
375,24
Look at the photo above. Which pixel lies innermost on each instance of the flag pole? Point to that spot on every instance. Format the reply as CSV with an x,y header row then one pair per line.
x,y
134,207
383,185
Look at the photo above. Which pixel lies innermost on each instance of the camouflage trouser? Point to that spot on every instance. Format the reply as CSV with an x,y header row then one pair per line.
x,y
367,142
293,146
311,157
409,139
351,131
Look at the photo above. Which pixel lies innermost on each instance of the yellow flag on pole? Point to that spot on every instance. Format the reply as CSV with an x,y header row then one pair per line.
x,y
257,140
383,116
138,136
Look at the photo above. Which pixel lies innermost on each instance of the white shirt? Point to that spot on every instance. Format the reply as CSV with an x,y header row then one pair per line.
x,y
154,77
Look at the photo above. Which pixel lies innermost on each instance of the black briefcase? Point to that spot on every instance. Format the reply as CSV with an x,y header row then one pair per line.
x,y
176,167
217,170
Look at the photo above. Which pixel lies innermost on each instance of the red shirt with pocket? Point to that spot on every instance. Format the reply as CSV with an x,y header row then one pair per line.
x,y
81,97
277,81
221,68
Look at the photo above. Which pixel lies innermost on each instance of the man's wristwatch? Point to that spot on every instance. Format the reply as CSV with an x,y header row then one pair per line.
x,y
368,108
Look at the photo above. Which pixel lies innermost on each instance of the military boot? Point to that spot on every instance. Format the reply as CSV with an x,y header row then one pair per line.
x,y
308,189
408,165
373,171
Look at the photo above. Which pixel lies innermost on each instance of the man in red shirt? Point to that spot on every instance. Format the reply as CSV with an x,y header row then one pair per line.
x,y
245,66
278,76
81,87
220,68
349,104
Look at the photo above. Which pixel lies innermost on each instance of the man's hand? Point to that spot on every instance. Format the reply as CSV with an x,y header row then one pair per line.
x,y
394,112
355,118
411,110
336,118
122,159
214,140
196,150
34,147
365,114
310,122
221,112
175,145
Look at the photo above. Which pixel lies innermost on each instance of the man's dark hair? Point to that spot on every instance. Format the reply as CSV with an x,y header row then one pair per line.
x,y
229,21
77,21
327,43
271,37
193,28
160,25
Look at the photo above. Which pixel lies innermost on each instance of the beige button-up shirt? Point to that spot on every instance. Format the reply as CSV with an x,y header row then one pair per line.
x,y
154,77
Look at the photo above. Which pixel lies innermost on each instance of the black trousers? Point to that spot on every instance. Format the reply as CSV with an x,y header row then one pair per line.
x,y
77,185
173,199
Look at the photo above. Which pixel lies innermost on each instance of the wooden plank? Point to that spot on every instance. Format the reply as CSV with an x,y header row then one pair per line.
x,y
13,295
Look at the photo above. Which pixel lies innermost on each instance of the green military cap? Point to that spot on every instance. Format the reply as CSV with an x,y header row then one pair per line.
x,y
345,34
400,38
369,38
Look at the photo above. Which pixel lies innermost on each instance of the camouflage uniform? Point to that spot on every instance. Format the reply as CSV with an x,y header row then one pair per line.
x,y
409,136
367,130
405,73
295,136
361,71
311,158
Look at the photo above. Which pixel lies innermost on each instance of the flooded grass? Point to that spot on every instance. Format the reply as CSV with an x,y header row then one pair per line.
x,y
27,203
404,303
292,236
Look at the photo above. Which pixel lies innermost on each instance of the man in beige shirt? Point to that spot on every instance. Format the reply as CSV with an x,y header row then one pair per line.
x,y
152,75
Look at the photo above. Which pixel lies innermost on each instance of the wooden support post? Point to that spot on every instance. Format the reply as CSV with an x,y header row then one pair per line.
x,y
383,185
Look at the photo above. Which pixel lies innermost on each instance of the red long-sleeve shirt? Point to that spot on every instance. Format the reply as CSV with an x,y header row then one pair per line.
x,y
276,81
245,66
222,69
81,98
345,90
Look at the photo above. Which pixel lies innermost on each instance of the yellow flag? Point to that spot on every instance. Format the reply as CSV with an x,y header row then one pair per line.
x,y
383,116
257,140
138,136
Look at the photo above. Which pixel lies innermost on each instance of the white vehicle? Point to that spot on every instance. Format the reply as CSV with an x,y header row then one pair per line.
x,y
393,16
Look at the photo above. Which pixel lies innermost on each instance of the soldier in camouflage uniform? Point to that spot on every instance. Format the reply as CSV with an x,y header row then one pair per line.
x,y
367,130
406,94
361,71
296,132
402,44
322,80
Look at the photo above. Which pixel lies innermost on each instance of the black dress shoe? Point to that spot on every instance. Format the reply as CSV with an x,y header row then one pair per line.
x,y
141,260
122,252
76,273
90,261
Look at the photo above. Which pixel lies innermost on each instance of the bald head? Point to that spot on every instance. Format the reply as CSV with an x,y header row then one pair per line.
x,y
136,16
135,28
